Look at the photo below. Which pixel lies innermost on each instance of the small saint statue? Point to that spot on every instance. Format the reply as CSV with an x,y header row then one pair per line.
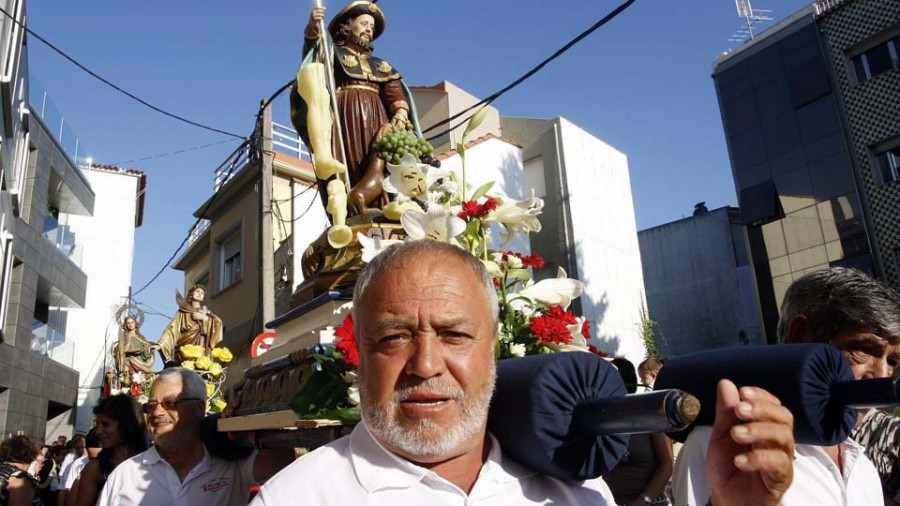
x,y
133,353
193,324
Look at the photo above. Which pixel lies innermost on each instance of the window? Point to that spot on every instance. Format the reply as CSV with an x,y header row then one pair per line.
x,y
229,259
887,165
876,60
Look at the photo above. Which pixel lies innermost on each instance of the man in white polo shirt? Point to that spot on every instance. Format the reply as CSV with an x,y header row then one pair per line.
x,y
178,469
426,317
860,317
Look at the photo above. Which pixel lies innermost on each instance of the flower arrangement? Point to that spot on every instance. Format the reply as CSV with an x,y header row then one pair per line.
x,y
212,369
433,203
137,385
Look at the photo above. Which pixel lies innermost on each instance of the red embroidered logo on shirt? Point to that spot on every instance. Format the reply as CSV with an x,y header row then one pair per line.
x,y
215,484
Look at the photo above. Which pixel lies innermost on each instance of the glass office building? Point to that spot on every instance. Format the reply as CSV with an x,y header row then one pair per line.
x,y
792,158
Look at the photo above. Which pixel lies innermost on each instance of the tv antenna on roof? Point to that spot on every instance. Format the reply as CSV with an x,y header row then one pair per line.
x,y
752,17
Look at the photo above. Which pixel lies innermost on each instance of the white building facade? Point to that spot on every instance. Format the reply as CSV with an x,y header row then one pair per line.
x,y
107,239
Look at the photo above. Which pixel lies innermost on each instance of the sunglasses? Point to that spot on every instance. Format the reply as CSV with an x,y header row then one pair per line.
x,y
169,405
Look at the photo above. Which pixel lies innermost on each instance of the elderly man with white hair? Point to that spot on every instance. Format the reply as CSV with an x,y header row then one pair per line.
x,y
179,469
426,317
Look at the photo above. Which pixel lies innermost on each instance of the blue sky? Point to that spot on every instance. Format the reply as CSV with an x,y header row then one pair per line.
x,y
641,83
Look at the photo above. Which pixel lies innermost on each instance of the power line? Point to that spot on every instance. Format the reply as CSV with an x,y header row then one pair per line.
x,y
197,221
113,86
176,152
315,195
533,71
253,145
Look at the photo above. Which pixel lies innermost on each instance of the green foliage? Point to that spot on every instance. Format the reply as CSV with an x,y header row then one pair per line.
x,y
324,396
649,332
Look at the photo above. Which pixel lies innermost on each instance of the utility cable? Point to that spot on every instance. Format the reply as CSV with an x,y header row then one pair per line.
x,y
113,86
253,144
170,153
197,221
533,71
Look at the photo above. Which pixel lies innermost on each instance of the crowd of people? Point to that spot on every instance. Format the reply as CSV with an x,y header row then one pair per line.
x,y
426,326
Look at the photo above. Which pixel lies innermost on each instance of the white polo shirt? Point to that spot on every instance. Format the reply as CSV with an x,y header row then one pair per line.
x,y
817,479
357,470
148,480
67,479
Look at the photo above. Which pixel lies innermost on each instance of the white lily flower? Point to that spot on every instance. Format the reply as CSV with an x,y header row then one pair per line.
x,y
575,331
406,178
411,179
518,216
437,224
517,350
446,187
558,291
143,399
372,246
138,377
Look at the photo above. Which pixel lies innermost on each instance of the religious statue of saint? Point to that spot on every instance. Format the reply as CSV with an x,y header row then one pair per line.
x,y
133,353
193,324
371,98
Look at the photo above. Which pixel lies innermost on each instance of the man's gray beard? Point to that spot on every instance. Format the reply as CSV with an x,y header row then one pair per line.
x,y
426,439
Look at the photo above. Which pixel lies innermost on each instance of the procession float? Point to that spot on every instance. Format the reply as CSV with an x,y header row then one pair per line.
x,y
381,184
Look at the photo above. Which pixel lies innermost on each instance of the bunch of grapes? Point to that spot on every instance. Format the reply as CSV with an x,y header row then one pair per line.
x,y
396,143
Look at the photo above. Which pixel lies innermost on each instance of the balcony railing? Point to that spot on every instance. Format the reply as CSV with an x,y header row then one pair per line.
x,y
52,343
40,103
286,140
59,233
197,231
824,6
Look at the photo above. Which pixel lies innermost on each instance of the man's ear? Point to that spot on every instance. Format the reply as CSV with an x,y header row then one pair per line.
x,y
799,330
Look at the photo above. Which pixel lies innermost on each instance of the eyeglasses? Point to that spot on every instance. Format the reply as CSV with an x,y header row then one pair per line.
x,y
169,405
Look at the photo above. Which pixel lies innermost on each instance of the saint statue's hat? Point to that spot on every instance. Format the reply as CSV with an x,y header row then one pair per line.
x,y
355,9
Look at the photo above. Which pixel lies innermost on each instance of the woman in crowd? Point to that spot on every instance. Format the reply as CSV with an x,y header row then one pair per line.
x,y
17,487
119,423
641,476
38,463
48,477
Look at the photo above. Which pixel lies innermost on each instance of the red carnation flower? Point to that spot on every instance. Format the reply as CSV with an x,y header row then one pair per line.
x,y
586,329
534,261
489,205
551,327
567,317
469,210
136,389
345,341
597,352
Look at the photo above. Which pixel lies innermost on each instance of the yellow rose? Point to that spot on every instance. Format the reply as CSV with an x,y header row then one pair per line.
x,y
210,389
188,364
203,363
222,355
215,369
191,351
216,405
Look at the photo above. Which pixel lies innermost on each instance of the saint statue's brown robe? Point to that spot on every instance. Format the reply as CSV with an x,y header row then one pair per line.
x,y
369,92
185,329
